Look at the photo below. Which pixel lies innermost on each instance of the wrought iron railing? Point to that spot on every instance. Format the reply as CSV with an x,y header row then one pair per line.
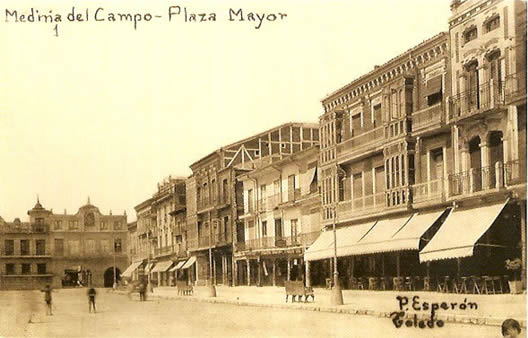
x,y
367,138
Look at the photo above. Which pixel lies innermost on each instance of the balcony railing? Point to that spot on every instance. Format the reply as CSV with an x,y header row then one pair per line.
x,y
13,253
476,179
271,242
515,86
488,96
430,116
397,196
360,142
370,202
204,203
428,191
515,172
294,195
396,128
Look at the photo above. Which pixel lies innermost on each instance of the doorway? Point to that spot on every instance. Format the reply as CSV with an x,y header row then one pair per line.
x,y
109,277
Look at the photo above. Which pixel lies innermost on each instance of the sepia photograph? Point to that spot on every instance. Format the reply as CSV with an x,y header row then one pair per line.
x,y
263,168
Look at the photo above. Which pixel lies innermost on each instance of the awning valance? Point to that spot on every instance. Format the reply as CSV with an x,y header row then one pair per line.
x,y
460,232
377,238
178,266
162,266
131,268
433,86
189,263
347,238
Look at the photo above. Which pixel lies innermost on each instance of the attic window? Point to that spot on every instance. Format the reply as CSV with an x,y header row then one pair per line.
x,y
470,34
257,153
492,23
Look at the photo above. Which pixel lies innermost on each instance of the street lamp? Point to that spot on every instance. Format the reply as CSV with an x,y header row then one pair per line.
x,y
337,294
149,284
211,289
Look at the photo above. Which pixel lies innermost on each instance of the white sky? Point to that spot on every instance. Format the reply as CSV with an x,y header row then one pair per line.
x,y
107,111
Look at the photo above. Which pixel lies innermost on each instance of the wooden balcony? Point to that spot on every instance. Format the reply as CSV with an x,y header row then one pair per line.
x,y
271,242
428,118
431,191
360,144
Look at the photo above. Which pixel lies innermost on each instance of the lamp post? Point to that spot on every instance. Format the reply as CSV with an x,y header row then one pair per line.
x,y
337,294
211,289
114,286
149,284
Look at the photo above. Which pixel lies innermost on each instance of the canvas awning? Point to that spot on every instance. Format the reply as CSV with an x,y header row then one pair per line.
x,y
178,266
377,238
189,263
162,266
131,268
347,238
433,86
408,237
149,267
460,232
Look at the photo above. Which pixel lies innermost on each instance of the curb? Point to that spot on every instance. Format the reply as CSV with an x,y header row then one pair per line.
x,y
448,318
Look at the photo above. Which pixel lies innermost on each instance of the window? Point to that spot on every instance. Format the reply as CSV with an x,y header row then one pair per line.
x,y
470,34
10,269
9,248
26,269
294,230
117,224
224,190
90,246
434,98
41,268
59,246
24,247
58,225
73,225
377,115
40,245
74,247
226,224
492,23
264,228
117,245
105,246
250,200
104,225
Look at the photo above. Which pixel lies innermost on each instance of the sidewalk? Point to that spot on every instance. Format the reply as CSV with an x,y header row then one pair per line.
x,y
491,309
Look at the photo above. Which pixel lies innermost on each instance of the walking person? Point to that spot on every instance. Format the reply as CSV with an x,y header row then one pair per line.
x,y
142,291
47,299
91,299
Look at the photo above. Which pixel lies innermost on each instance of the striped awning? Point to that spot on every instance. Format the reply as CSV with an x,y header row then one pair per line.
x,y
162,266
178,266
460,232
189,263
131,268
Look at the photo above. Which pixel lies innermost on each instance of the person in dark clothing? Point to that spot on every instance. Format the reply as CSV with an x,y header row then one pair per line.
x,y
47,299
142,292
91,299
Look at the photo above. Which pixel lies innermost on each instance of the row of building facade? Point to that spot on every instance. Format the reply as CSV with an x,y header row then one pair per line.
x,y
63,250
402,160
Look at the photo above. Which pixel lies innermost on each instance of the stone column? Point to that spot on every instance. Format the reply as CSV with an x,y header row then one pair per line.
x,y
428,173
235,272
418,160
523,241
259,277
486,165
308,279
274,272
288,276
248,272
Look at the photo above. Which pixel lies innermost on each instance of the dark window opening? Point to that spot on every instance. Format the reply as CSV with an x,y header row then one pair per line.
x,y
41,268
26,269
10,269
471,34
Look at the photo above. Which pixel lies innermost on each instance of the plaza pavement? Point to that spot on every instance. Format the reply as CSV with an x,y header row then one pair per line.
x,y
491,310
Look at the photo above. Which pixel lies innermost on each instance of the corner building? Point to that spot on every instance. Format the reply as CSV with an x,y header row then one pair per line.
x,y
423,159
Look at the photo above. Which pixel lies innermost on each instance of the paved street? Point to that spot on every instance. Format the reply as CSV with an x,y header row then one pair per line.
x,y
118,316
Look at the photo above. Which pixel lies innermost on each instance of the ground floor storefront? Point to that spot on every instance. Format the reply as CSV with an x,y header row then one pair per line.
x,y
214,265
457,250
